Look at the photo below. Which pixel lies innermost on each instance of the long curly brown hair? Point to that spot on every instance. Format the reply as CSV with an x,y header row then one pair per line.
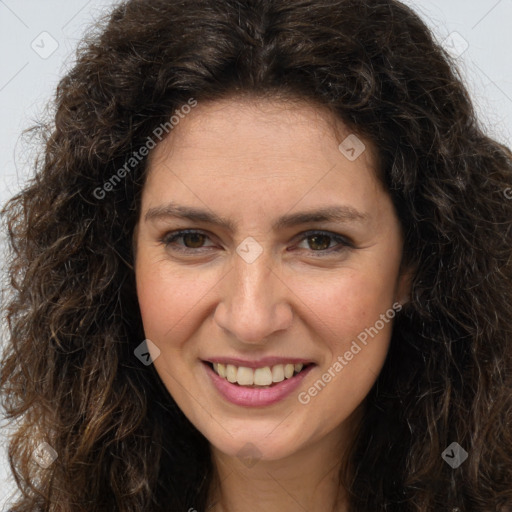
x,y
69,376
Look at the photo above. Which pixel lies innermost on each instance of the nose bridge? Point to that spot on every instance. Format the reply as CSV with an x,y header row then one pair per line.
x,y
253,283
253,303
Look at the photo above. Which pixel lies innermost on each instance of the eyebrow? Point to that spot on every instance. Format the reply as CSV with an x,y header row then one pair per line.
x,y
342,214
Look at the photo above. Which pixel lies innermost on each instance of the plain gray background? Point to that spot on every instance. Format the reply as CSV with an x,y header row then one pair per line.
x,y
38,39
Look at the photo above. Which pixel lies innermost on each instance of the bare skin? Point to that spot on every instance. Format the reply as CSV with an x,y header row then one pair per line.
x,y
252,163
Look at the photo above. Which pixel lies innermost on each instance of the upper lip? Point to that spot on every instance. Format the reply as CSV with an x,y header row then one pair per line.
x,y
257,363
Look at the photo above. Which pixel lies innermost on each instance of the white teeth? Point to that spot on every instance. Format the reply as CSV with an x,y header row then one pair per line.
x,y
288,370
221,369
264,377
278,373
245,376
231,372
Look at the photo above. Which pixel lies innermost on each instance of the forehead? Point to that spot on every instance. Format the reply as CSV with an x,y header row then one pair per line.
x,y
264,167
246,158
258,130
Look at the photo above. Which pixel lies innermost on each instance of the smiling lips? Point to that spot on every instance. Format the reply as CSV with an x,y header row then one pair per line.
x,y
257,377
255,386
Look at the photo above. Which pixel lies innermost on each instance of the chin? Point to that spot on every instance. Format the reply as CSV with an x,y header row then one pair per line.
x,y
254,445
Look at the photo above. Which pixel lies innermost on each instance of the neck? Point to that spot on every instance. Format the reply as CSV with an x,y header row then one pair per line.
x,y
306,480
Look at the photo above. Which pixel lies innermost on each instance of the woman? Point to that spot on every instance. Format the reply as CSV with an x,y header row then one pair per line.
x,y
263,265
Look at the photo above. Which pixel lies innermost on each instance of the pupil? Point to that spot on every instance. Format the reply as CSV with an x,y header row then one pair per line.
x,y
315,239
197,240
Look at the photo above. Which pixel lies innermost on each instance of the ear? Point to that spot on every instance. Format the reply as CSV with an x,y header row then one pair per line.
x,y
404,284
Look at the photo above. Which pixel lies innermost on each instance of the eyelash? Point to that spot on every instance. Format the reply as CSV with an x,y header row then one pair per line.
x,y
343,242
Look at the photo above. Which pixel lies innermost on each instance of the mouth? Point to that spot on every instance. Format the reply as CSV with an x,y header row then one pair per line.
x,y
257,378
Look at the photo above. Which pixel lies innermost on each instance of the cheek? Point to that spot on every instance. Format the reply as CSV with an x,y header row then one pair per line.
x,y
345,313
347,302
347,321
165,297
169,304
175,304
153,297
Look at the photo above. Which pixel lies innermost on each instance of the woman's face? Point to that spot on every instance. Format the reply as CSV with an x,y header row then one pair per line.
x,y
293,258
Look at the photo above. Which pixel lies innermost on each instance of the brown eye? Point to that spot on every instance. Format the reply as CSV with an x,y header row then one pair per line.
x,y
324,243
185,240
319,242
193,240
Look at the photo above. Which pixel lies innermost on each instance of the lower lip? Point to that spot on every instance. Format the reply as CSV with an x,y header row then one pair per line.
x,y
255,397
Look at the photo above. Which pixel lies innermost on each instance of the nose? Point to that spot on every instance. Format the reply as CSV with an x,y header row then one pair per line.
x,y
254,301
